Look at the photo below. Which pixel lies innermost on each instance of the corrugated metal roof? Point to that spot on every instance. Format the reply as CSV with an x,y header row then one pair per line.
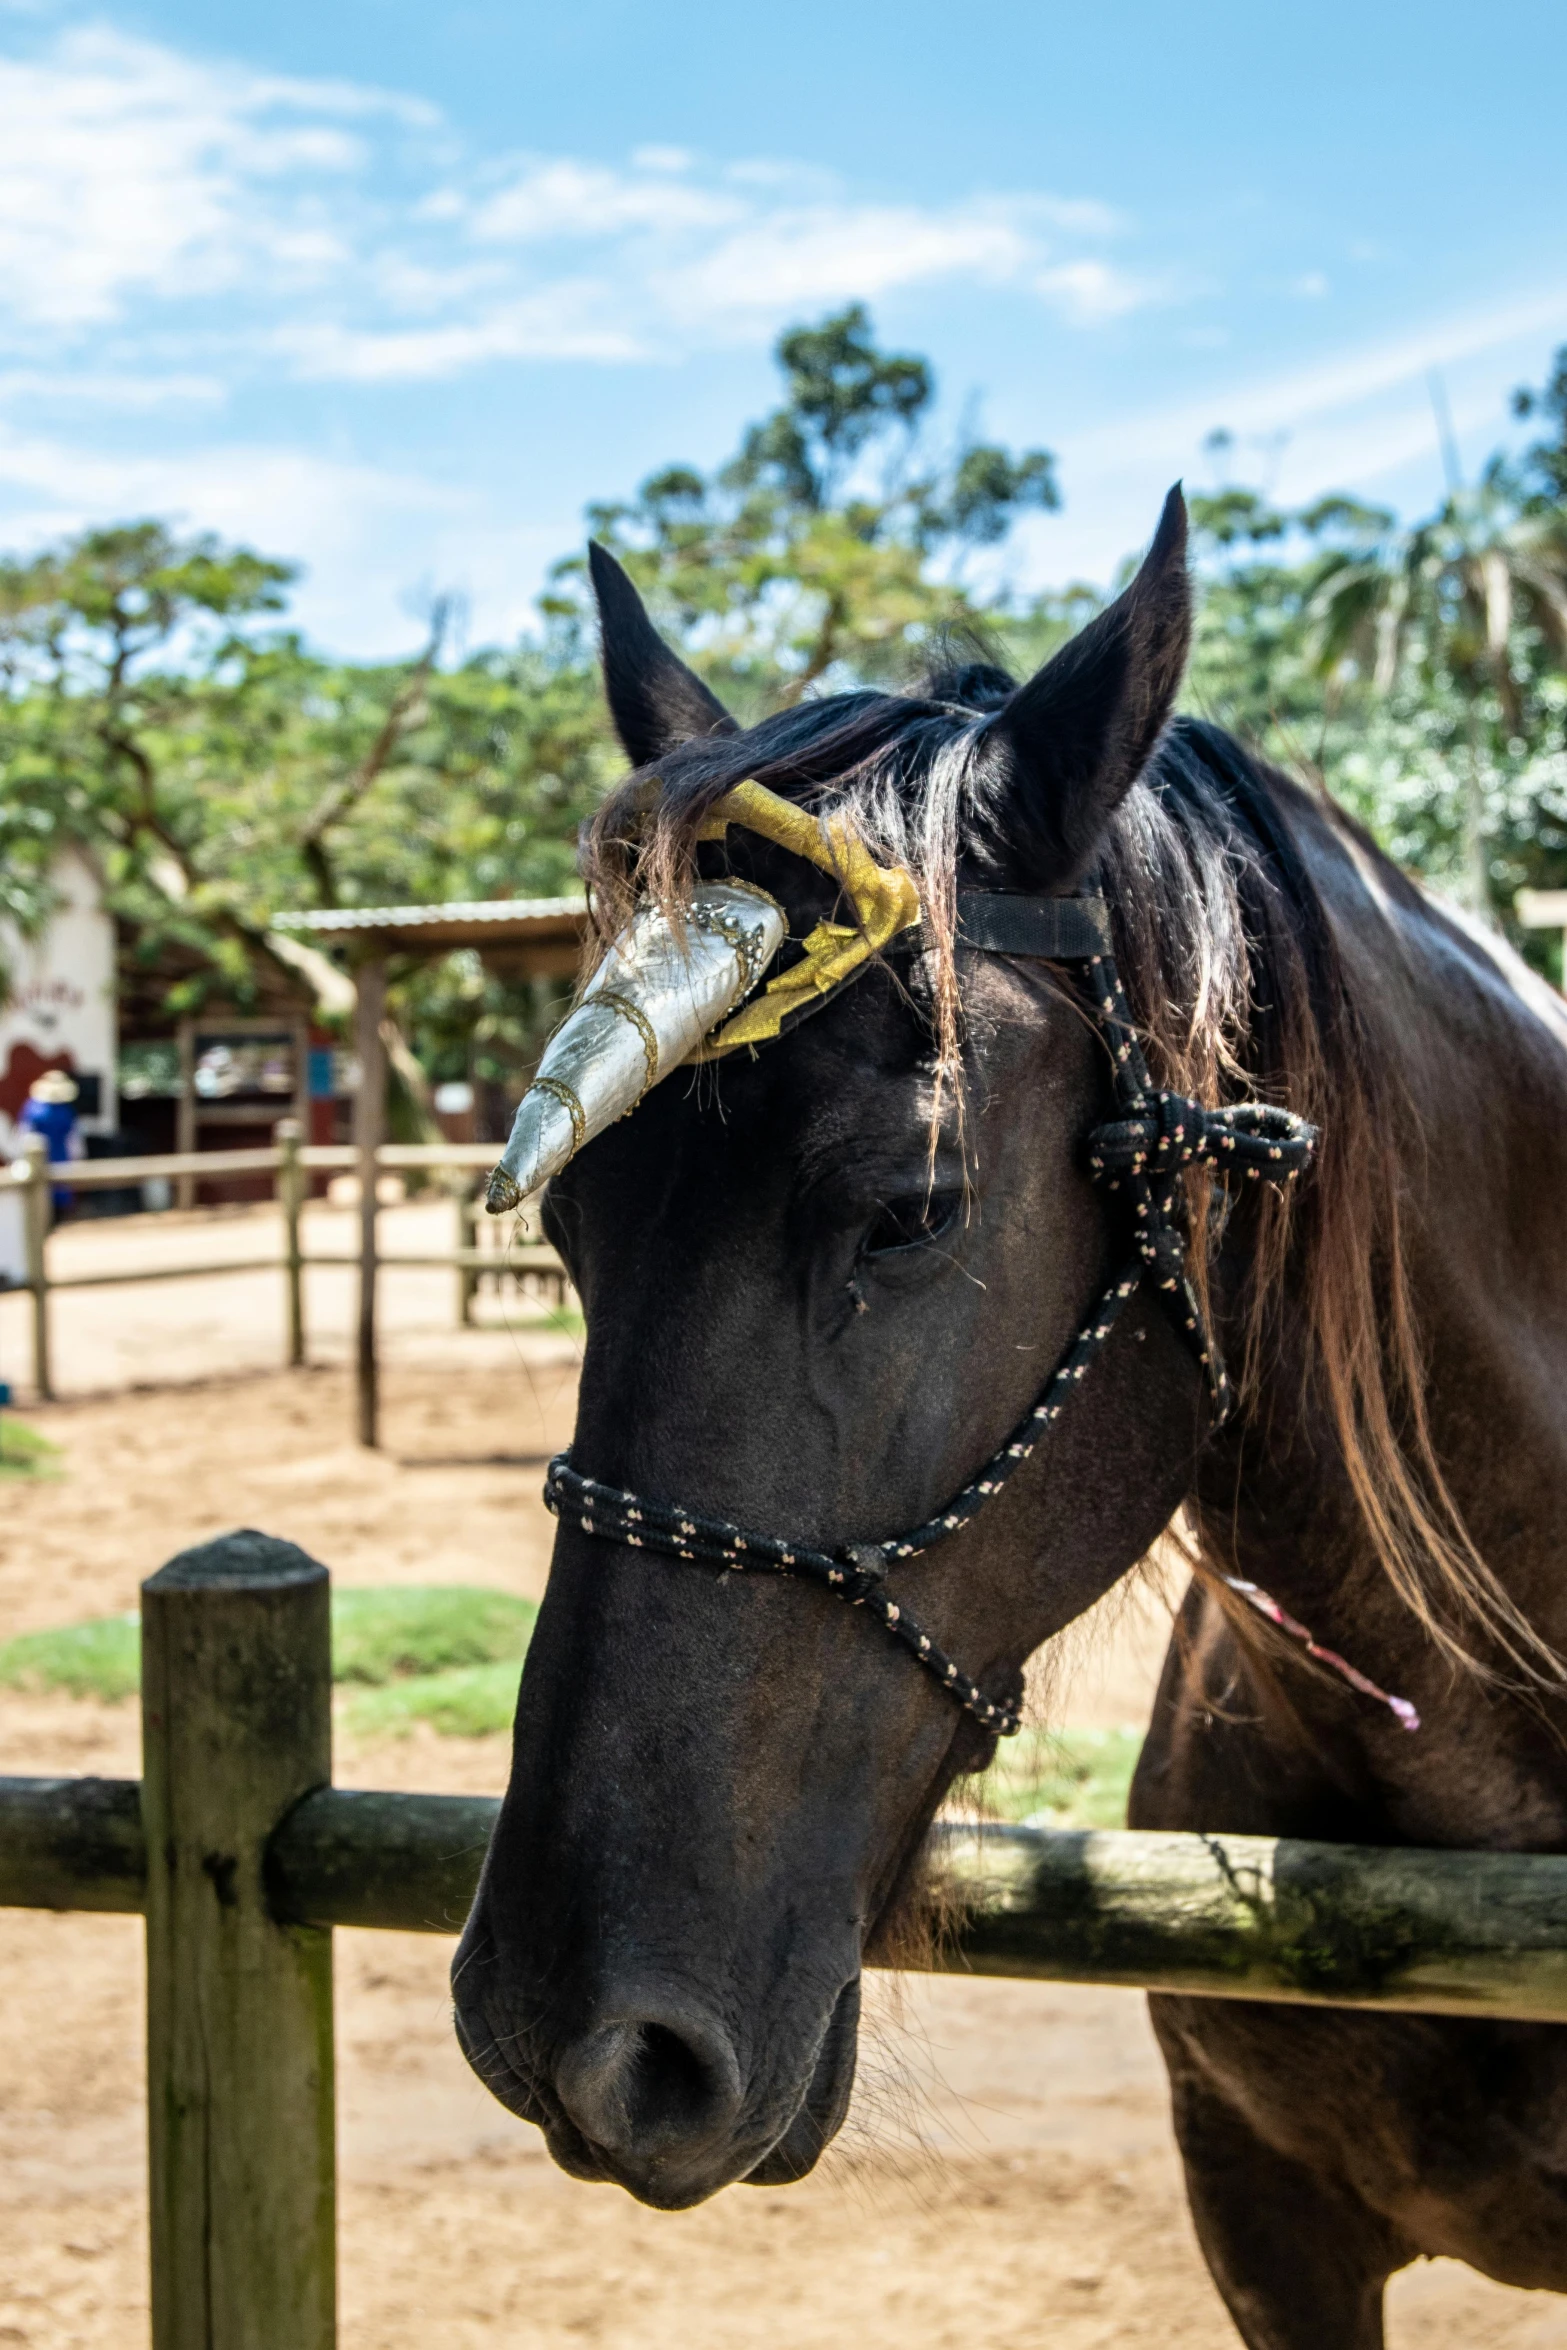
x,y
524,916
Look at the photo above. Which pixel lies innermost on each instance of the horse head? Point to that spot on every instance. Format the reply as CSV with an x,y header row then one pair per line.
x,y
822,1278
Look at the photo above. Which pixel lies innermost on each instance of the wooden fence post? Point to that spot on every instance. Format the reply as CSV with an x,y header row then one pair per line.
x,y
369,1122
467,1238
37,1210
291,1195
236,1721
185,1111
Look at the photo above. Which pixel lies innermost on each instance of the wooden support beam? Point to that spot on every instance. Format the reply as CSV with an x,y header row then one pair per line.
x,y
291,1199
236,1726
467,1242
37,1215
369,1129
301,1050
185,1112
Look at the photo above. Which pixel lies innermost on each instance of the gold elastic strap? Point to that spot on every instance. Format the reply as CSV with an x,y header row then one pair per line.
x,y
884,899
614,1001
569,1103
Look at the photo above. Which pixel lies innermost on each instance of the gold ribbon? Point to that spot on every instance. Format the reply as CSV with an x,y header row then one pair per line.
x,y
884,899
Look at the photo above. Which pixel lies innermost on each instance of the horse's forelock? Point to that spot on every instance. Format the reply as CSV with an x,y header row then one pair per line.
x,y
895,766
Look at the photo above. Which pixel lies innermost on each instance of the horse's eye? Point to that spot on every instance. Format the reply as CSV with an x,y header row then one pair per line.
x,y
911,1222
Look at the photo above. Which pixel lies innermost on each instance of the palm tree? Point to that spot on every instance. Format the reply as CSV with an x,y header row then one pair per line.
x,y
1446,607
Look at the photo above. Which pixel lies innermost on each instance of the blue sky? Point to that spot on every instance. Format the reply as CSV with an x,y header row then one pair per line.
x,y
396,290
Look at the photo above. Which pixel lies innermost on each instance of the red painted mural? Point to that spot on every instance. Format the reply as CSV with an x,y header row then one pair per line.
x,y
24,1066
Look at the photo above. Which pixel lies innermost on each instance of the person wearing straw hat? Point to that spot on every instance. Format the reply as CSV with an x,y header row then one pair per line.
x,y
50,1110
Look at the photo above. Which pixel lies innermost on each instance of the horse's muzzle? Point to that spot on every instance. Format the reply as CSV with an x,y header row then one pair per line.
x,y
652,2093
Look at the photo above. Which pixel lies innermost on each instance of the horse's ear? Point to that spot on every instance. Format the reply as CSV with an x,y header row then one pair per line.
x,y
1067,747
656,702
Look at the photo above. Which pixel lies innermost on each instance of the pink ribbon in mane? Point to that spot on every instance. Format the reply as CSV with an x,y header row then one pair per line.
x,y
1266,1605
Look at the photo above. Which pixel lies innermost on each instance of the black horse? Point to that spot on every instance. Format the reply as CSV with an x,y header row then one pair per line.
x,y
821,1283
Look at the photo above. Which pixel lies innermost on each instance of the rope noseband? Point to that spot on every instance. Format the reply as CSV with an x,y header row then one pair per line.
x,y
1141,1154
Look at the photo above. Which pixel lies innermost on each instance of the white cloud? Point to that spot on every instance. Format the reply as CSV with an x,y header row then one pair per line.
x,y
1339,384
765,238
831,253
358,523
128,170
280,491
105,389
559,199
545,328
1358,418
1088,292
166,196
1081,216
662,158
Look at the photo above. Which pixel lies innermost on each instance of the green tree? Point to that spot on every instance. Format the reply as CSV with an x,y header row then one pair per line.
x,y
1467,616
1544,467
1256,664
95,738
831,548
151,709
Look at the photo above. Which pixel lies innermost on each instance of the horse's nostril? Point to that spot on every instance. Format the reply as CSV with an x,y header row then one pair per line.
x,y
670,2081
650,2084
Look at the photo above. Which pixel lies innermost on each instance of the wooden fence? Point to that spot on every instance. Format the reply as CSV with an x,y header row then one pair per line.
x,y
290,1162
242,1857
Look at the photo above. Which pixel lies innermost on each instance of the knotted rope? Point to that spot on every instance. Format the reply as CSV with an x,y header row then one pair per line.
x,y
855,1573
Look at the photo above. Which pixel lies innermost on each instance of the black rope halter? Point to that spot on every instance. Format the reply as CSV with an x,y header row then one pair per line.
x,y
1140,1153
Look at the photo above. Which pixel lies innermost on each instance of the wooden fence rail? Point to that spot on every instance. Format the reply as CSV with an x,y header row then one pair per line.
x,y
242,1857
1226,1917
290,1162
1238,1917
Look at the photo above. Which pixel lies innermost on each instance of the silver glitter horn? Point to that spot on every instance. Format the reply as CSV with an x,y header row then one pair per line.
x,y
658,992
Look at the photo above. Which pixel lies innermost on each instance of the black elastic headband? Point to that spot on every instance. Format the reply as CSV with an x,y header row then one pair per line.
x,y
1053,930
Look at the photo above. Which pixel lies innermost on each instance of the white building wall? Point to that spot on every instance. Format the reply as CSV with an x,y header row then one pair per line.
x,y
61,1001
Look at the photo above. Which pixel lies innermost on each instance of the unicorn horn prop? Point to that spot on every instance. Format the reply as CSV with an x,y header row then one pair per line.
x,y
653,1000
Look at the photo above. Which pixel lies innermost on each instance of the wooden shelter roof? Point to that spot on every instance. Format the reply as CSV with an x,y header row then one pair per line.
x,y
538,937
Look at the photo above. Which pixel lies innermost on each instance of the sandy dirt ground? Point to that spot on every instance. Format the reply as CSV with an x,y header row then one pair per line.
x,y
1008,2173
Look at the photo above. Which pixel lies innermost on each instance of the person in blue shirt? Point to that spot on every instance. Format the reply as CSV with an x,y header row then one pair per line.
x,y
50,1110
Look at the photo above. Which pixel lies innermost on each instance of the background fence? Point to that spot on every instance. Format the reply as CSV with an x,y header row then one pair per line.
x,y
242,1857
291,1163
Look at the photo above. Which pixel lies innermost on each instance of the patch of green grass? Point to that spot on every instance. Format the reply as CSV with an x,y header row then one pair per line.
x,y
422,1628
23,1452
470,1701
1065,1779
100,1659
460,1644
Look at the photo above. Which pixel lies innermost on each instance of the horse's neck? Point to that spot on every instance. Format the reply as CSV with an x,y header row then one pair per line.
x,y
1476,1049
